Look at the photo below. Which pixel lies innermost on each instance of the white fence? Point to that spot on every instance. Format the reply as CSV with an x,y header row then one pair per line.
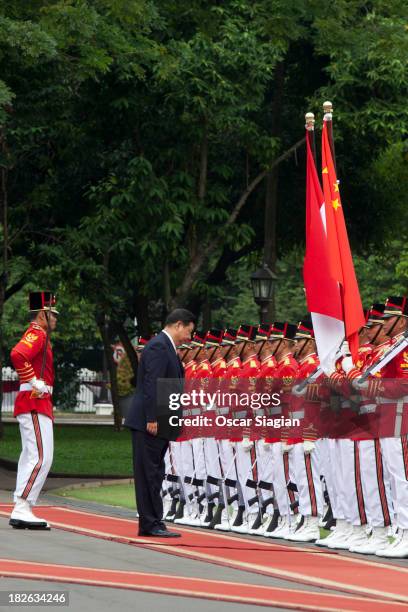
x,y
88,394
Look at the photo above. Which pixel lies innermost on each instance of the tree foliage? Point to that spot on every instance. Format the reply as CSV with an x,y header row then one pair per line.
x,y
137,133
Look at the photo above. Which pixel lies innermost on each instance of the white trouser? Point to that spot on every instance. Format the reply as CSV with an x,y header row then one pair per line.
x,y
200,458
169,468
395,455
376,484
212,464
280,473
264,456
37,440
339,500
351,494
229,469
201,469
177,457
307,478
327,470
246,469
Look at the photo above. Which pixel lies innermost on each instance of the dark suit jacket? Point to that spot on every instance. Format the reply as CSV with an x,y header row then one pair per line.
x,y
160,373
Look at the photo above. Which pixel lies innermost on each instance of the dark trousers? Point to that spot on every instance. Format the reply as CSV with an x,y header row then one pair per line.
x,y
148,469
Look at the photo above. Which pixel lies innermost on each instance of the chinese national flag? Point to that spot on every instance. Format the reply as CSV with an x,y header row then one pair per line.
x,y
322,290
340,259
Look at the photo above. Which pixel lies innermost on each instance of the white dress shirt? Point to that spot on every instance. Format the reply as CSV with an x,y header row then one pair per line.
x,y
171,339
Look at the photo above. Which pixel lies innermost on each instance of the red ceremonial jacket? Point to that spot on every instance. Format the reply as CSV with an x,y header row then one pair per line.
x,y
267,373
27,357
286,375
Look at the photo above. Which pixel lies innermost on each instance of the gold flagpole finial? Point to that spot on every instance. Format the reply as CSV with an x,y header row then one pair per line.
x,y
328,111
310,121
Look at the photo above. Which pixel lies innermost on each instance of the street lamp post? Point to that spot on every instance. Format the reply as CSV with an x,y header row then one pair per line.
x,y
263,281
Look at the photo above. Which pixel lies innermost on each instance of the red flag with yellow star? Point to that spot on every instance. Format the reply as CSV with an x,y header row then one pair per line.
x,y
340,259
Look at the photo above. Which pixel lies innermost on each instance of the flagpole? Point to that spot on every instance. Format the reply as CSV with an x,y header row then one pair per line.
x,y
310,121
328,117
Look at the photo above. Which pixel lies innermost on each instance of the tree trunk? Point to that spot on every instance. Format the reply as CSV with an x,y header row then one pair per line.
x,y
207,313
4,273
104,330
198,261
119,329
271,205
271,192
142,314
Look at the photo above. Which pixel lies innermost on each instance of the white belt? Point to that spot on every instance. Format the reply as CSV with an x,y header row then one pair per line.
x,y
388,400
222,410
298,414
275,410
192,412
241,414
29,387
367,408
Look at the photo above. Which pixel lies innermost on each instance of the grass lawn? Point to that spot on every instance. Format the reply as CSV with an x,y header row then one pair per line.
x,y
114,495
80,449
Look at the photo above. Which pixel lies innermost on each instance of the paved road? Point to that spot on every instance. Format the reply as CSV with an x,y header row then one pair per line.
x,y
67,548
96,599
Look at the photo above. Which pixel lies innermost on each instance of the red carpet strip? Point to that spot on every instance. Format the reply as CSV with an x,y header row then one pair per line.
x,y
303,565
219,590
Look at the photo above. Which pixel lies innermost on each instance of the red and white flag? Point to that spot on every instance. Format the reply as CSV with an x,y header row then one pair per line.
x,y
322,290
340,259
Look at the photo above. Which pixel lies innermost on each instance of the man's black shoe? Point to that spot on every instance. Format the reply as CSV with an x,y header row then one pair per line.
x,y
160,533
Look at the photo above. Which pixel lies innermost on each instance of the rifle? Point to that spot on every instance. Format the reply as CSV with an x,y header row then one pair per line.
x,y
392,352
34,393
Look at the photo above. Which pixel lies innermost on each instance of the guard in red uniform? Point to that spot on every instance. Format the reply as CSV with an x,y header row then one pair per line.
x,y
282,339
246,459
33,360
394,401
305,455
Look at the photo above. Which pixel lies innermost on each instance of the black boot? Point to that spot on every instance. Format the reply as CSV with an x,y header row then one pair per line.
x,y
170,516
257,522
217,517
274,521
240,517
210,515
180,510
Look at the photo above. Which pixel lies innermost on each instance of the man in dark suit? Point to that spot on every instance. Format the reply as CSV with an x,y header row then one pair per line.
x,y
160,373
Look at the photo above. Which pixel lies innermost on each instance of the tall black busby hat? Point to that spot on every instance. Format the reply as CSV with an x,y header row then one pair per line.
x,y
42,300
246,333
214,337
305,330
229,337
396,306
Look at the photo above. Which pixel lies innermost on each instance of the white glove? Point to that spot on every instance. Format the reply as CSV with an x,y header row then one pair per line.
x,y
345,349
330,368
347,364
39,386
247,444
298,391
286,447
308,446
360,386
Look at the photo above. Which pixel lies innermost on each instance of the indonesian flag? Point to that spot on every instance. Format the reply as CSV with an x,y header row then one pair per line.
x,y
340,259
322,290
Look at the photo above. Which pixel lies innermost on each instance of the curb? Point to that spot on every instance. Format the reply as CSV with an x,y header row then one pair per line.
x,y
96,483
10,465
